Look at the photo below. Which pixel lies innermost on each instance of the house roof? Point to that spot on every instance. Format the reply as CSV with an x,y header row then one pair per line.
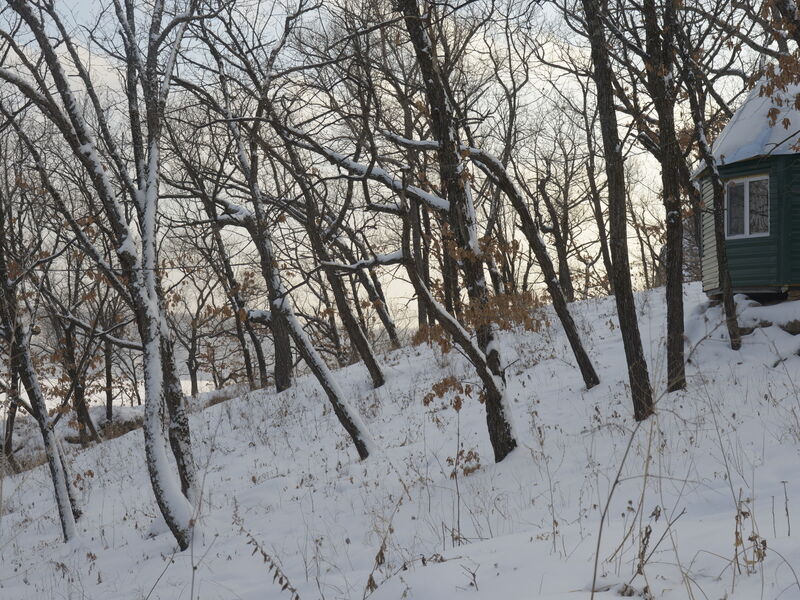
x,y
750,134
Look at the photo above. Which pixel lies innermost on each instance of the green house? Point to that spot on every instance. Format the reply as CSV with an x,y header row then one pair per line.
x,y
759,164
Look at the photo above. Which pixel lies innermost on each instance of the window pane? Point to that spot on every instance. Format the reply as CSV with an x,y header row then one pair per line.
x,y
759,206
736,209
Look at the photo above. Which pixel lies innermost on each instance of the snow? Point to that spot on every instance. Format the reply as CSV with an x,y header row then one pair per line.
x,y
376,173
377,259
278,469
749,134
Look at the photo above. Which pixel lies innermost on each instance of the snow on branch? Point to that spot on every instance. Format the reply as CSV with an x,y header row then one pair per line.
x,y
262,317
394,258
409,143
105,334
374,173
233,214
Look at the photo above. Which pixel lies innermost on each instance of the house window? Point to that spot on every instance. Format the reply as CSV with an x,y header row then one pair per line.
x,y
747,207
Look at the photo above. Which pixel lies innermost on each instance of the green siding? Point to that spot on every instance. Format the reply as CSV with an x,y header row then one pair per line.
x,y
709,257
790,250
756,262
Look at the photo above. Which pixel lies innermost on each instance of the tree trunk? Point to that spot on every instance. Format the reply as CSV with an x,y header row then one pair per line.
x,y
283,349
416,233
283,320
84,420
259,350
248,363
375,295
313,219
171,500
22,364
191,366
536,243
623,291
594,198
706,155
11,415
660,47
731,321
462,227
560,239
108,356
180,439
498,413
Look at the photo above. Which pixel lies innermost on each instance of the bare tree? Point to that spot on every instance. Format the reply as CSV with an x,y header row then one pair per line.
x,y
147,79
18,309
639,377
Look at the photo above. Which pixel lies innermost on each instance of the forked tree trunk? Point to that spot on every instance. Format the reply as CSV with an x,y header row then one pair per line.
x,y
86,427
374,293
237,302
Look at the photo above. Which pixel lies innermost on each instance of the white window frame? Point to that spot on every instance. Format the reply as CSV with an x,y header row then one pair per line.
x,y
746,181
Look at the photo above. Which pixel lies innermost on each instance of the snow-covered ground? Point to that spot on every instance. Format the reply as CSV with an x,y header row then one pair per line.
x,y
717,464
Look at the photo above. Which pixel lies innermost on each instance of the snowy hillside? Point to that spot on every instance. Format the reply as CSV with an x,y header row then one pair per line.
x,y
434,518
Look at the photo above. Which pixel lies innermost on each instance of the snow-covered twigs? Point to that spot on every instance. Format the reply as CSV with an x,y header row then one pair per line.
x,y
376,260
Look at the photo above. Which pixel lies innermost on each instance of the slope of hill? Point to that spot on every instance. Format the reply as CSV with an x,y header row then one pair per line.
x,y
696,502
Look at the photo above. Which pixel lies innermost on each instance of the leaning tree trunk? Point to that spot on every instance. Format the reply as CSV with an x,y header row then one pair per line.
x,y
718,205
531,231
22,366
283,311
462,224
618,243
498,412
312,218
283,319
67,511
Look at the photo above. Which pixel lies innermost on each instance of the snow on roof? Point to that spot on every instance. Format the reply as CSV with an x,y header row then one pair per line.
x,y
751,133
